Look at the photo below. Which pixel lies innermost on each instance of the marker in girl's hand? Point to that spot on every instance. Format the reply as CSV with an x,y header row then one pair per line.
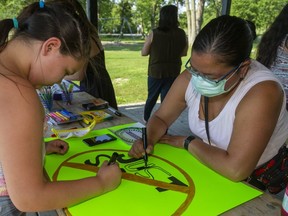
x,y
113,158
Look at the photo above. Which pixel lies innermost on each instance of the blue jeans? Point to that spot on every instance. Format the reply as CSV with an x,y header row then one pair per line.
x,y
7,208
156,87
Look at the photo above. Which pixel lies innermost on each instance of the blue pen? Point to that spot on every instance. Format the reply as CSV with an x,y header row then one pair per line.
x,y
71,115
144,138
65,114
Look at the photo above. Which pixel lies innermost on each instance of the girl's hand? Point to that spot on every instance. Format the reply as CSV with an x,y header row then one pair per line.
x,y
110,176
56,146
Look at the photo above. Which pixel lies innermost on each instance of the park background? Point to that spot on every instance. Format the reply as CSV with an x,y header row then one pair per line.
x,y
123,25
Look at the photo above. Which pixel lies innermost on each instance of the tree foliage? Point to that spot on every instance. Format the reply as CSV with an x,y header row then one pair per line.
x,y
112,13
261,12
11,8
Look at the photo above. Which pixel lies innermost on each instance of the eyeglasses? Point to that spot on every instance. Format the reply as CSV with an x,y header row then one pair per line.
x,y
197,73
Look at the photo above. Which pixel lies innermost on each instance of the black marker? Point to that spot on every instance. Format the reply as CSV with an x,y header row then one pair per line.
x,y
144,138
113,158
116,112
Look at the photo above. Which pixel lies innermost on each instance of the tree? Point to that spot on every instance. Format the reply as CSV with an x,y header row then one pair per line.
x,y
146,12
149,13
194,13
212,10
191,20
267,12
11,8
261,12
125,11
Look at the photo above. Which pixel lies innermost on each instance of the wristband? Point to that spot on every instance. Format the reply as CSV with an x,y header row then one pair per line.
x,y
187,141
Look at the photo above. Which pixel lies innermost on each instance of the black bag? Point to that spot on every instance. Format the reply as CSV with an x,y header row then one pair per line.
x,y
273,175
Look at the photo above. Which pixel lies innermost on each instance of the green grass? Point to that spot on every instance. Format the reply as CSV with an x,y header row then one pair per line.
x,y
128,69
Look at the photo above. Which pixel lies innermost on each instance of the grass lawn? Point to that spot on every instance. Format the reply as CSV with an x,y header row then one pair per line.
x,y
128,70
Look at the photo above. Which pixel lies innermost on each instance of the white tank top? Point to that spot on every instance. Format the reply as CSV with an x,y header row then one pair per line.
x,y
221,127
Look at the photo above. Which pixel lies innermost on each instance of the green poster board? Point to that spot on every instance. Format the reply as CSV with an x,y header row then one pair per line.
x,y
174,183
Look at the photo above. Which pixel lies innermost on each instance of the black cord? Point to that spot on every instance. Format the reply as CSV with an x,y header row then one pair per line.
x,y
206,100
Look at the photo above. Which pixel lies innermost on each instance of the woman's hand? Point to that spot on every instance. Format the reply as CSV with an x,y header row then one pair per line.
x,y
137,149
56,146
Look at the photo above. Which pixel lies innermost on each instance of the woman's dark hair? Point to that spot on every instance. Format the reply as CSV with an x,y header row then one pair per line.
x,y
168,18
93,64
253,28
56,19
272,38
228,37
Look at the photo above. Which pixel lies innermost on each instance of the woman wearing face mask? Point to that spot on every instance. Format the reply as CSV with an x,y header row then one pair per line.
x,y
242,102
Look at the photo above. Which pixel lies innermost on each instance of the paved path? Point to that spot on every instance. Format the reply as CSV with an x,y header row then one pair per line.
x,y
135,111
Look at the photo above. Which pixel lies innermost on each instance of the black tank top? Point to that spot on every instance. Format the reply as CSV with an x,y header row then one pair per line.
x,y
165,53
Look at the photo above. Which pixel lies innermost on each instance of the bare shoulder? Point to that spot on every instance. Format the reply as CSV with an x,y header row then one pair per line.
x,y
266,97
17,90
183,80
19,103
266,89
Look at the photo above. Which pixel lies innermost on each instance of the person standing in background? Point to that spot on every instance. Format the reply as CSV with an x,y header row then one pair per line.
x,y
95,79
165,46
273,48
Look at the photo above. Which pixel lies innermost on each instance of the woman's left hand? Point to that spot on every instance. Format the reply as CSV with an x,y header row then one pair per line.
x,y
56,146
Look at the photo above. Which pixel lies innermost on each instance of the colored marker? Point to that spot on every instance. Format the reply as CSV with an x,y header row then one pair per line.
x,y
55,117
61,116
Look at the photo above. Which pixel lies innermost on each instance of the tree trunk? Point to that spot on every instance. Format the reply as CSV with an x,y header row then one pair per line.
x,y
191,21
199,15
194,18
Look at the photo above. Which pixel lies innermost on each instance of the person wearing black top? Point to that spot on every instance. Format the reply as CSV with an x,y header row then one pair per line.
x,y
165,46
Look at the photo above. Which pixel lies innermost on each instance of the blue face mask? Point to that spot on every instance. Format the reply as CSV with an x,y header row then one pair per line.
x,y
210,88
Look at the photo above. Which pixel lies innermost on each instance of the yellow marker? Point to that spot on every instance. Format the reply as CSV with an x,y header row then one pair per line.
x,y
61,116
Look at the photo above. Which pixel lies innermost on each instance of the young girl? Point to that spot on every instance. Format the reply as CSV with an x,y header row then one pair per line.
x,y
39,47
